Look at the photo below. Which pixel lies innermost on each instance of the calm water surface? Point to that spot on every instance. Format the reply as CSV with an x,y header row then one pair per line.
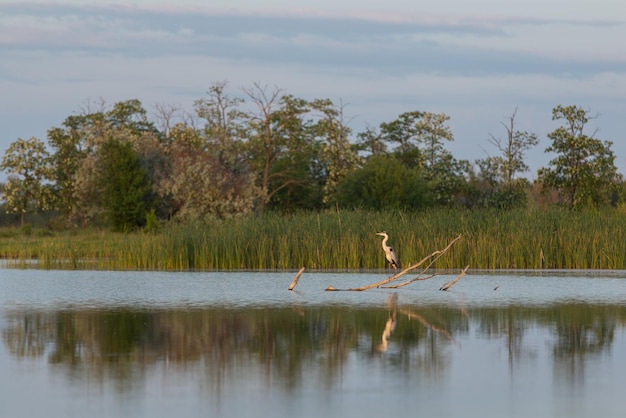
x,y
146,344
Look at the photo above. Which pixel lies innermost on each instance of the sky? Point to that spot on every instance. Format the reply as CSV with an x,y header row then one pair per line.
x,y
475,61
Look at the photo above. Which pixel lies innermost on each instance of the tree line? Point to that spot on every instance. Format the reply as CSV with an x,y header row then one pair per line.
x,y
265,149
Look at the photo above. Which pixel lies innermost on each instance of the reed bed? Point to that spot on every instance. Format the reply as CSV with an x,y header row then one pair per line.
x,y
342,240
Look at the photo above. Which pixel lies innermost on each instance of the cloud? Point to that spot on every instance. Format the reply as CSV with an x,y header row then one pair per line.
x,y
476,68
382,42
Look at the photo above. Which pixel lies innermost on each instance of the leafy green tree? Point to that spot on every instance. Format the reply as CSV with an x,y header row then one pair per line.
x,y
447,179
66,160
445,173
338,156
153,154
403,132
224,124
507,196
87,208
130,115
211,176
127,196
207,174
277,142
584,171
431,131
183,134
27,163
74,146
420,137
384,182
371,141
180,139
78,144
200,186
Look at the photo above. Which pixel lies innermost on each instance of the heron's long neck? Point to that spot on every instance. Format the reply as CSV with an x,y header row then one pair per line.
x,y
385,242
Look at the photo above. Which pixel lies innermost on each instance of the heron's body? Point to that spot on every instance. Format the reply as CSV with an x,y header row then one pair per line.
x,y
390,254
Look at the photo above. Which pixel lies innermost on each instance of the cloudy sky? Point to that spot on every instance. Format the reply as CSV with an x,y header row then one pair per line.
x,y
475,61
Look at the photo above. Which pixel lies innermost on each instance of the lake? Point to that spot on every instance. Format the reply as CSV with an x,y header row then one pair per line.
x,y
236,344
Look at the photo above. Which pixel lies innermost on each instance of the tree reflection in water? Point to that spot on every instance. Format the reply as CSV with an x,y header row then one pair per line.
x,y
285,345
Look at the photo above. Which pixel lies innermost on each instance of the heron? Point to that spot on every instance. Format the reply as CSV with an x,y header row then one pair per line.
x,y
390,254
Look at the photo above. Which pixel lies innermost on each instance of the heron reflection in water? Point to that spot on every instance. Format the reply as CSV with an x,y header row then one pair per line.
x,y
390,325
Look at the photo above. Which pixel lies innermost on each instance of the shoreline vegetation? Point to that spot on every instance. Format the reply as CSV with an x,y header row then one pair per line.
x,y
339,240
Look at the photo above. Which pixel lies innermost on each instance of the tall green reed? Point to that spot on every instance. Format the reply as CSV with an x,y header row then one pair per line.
x,y
341,240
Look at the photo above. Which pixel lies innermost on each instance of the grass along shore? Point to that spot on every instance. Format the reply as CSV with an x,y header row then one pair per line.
x,y
553,238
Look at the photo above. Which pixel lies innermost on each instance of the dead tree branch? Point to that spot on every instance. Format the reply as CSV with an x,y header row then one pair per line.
x,y
294,282
411,267
419,277
448,285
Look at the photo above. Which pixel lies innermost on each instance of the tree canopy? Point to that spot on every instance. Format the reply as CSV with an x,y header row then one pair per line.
x,y
583,172
28,164
263,149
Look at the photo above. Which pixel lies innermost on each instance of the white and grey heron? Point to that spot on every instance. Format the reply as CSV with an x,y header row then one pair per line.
x,y
390,254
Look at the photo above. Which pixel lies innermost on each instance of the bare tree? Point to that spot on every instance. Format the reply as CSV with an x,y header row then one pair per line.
x,y
512,149
167,115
